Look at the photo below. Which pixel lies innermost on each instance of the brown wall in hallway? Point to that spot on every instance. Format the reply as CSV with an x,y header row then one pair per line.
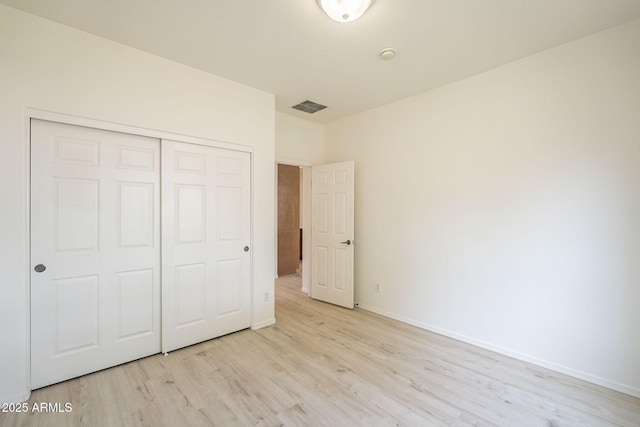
x,y
288,219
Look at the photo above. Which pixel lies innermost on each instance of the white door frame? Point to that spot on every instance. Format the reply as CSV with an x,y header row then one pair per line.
x,y
305,201
33,113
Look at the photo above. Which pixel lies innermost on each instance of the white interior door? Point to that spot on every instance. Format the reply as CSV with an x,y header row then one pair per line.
x,y
206,233
332,233
95,250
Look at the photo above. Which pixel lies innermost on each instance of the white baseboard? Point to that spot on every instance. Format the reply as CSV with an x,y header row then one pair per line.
x,y
263,324
595,379
15,398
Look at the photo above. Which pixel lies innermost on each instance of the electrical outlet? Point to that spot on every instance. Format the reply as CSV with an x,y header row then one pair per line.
x,y
377,287
266,296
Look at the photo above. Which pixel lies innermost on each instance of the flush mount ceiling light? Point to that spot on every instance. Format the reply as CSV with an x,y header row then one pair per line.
x,y
344,10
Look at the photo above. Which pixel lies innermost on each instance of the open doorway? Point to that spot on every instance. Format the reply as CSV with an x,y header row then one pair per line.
x,y
293,212
289,224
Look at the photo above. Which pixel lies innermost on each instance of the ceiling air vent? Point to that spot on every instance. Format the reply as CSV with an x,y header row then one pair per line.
x,y
309,107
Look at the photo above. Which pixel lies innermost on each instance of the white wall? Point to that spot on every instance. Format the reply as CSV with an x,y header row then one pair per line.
x,y
299,141
504,209
51,67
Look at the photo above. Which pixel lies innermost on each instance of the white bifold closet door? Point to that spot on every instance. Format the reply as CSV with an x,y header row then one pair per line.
x,y
95,250
205,248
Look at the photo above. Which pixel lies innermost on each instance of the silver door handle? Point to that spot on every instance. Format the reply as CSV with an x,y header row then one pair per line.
x,y
346,242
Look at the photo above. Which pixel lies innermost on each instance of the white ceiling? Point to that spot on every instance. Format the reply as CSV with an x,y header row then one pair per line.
x,y
291,49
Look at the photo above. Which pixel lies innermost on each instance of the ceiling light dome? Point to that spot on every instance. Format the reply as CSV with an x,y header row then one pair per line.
x,y
344,10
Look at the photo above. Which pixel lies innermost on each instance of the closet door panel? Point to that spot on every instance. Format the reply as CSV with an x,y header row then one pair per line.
x,y
95,234
206,234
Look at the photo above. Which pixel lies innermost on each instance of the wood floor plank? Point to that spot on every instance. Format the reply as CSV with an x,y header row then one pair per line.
x,y
323,365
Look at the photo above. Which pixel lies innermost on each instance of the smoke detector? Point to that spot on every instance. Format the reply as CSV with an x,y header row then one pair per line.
x,y
388,53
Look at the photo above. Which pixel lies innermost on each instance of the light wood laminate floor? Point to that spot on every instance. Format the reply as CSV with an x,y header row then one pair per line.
x,y
322,365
